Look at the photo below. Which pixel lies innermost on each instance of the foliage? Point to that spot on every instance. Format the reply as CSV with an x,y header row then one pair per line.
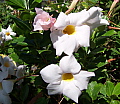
x,y
35,49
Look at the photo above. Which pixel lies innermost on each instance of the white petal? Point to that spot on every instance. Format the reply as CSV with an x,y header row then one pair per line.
x,y
9,29
104,22
83,35
61,21
71,91
82,79
71,45
5,99
3,75
8,38
58,39
51,73
7,85
69,64
12,33
55,89
78,18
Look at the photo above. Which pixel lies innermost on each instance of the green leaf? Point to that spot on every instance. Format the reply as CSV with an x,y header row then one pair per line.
x,y
103,90
18,3
116,90
24,92
114,50
109,33
100,64
115,102
22,43
39,1
41,51
42,100
21,24
109,88
93,90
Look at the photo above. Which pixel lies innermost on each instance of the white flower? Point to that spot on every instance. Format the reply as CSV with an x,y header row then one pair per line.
x,y
73,30
3,75
67,78
20,72
6,86
2,38
8,32
7,65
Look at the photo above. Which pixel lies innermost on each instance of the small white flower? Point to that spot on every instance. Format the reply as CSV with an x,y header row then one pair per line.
x,y
67,78
20,73
8,32
2,38
6,86
7,65
73,30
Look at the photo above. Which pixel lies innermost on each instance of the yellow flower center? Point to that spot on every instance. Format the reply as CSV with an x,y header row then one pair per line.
x,y
67,77
6,64
0,85
70,30
7,33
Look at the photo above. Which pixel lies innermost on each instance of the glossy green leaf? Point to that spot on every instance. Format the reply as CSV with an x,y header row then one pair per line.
x,y
93,90
109,88
116,90
109,33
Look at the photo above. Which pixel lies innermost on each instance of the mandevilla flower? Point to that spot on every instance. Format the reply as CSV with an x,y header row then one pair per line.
x,y
8,32
67,78
2,38
7,65
6,86
73,30
20,73
43,21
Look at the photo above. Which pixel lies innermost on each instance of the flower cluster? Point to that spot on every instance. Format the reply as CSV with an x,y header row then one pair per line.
x,y
8,68
6,34
68,34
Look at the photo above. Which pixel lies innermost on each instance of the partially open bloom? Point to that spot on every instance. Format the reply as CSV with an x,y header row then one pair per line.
x,y
43,21
20,72
8,32
7,65
2,38
73,30
6,86
67,78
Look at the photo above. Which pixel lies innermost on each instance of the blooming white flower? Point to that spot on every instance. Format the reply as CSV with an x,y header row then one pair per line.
x,y
20,72
2,38
73,30
67,78
3,75
7,65
6,86
8,32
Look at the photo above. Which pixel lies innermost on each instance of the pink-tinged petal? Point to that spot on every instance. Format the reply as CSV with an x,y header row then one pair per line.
x,y
82,78
61,21
83,35
37,26
69,64
51,73
3,75
7,85
38,10
55,89
71,91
